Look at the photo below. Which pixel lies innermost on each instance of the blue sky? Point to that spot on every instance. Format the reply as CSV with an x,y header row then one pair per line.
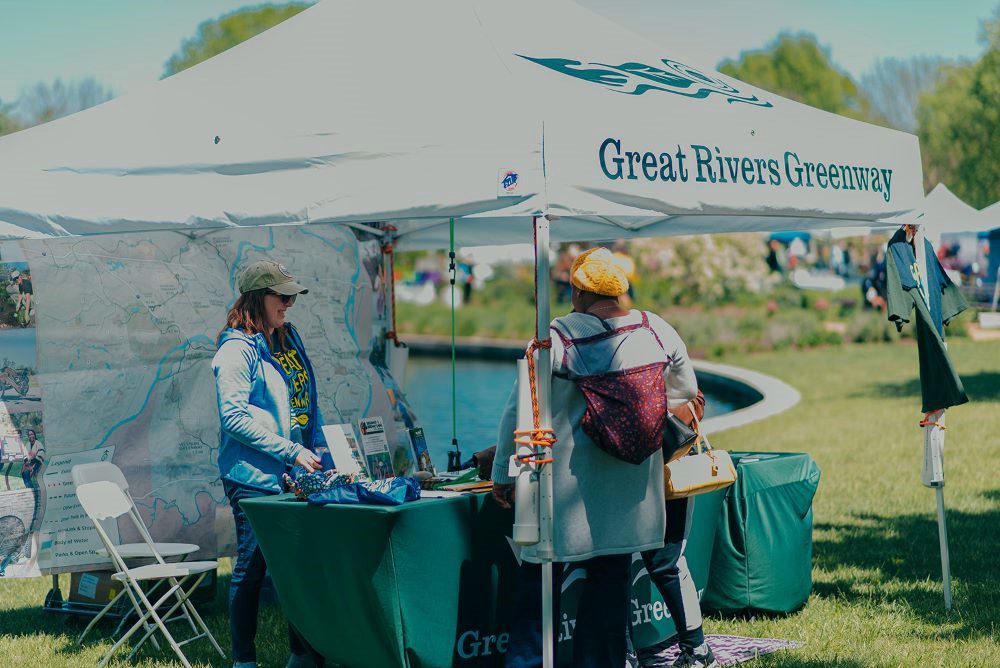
x,y
124,43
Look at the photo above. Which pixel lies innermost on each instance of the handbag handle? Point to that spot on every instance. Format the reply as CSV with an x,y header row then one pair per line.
x,y
701,437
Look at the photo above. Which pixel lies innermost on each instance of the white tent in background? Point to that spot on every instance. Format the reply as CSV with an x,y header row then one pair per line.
x,y
944,213
990,217
349,113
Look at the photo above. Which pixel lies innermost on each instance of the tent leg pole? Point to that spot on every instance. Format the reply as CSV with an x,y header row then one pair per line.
x,y
943,537
544,375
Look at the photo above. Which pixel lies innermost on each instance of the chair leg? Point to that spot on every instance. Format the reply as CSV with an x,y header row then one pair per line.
x,y
177,590
163,627
201,622
99,616
184,608
138,613
150,612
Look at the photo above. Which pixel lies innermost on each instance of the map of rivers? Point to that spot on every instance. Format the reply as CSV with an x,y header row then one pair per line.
x,y
125,331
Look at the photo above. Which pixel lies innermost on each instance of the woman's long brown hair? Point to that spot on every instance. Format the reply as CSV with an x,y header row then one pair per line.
x,y
247,316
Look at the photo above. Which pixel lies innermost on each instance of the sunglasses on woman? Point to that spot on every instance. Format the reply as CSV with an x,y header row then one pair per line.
x,y
285,299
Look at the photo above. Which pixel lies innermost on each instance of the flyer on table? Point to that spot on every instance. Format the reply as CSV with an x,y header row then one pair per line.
x,y
376,447
344,448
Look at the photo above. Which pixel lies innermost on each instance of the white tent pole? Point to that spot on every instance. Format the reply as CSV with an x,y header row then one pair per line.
x,y
543,370
933,434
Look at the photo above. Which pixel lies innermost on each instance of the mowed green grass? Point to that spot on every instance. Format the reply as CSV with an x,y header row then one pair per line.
x,y
877,597
877,592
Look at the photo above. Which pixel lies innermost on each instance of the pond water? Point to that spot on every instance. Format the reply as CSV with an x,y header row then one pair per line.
x,y
483,388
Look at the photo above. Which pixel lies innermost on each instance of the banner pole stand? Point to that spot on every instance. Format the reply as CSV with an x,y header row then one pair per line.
x,y
943,537
934,447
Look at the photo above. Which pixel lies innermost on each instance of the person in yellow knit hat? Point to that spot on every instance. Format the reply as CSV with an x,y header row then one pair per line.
x,y
605,507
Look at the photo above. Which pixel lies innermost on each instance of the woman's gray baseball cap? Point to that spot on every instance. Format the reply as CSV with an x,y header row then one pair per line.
x,y
270,275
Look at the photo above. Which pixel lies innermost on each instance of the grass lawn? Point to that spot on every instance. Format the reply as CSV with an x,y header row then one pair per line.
x,y
877,594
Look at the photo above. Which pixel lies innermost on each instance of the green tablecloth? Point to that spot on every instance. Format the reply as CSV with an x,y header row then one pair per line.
x,y
763,548
427,583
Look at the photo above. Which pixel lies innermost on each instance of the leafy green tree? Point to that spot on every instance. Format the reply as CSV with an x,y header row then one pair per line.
x,y
959,125
8,123
215,36
796,67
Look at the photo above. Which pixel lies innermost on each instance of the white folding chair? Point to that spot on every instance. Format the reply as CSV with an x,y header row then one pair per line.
x,y
104,500
131,552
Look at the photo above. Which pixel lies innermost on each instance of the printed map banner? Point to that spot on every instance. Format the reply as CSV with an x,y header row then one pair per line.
x,y
125,332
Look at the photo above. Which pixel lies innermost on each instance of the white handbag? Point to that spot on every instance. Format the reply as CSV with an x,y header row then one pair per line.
x,y
704,470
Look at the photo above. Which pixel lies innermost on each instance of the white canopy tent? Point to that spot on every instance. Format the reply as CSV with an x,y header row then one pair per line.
x,y
368,111
513,119
990,217
944,213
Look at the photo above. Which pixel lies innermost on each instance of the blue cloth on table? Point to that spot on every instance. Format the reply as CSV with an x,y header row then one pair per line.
x,y
388,492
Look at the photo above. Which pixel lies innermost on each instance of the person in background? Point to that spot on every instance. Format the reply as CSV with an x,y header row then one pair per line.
x,y
33,460
270,421
875,285
605,508
25,292
625,261
775,257
3,461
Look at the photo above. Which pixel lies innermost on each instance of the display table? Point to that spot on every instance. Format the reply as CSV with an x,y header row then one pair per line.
x,y
763,549
428,583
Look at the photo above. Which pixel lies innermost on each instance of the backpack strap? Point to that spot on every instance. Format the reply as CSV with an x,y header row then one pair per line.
x,y
645,324
567,342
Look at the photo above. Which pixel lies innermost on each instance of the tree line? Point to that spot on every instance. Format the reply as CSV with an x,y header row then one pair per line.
x,y
952,106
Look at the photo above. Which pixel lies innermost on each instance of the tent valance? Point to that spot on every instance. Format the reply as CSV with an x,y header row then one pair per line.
x,y
489,114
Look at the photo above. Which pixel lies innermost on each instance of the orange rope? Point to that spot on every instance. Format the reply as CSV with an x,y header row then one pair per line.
x,y
927,422
537,436
387,250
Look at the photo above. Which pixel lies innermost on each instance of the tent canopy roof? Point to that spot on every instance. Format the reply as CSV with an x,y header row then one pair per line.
x,y
490,114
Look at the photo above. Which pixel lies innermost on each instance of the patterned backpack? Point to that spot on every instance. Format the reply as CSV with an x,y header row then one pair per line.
x,y
626,408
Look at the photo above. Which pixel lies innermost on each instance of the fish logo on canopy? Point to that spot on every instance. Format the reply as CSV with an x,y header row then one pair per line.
x,y
637,78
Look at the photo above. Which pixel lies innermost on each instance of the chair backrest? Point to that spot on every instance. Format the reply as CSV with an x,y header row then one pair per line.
x,y
103,500
98,471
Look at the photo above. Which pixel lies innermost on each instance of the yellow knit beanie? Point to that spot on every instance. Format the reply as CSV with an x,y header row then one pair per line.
x,y
598,270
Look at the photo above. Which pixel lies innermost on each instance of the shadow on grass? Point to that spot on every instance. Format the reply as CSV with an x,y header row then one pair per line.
x,y
982,386
787,659
63,629
904,551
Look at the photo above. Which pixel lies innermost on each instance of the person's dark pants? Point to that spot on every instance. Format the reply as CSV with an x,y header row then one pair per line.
x,y
669,571
248,577
601,614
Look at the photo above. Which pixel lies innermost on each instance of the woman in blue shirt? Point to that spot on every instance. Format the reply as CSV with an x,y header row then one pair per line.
x,y
270,422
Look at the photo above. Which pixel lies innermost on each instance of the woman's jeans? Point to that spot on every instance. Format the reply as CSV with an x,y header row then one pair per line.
x,y
668,569
248,576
